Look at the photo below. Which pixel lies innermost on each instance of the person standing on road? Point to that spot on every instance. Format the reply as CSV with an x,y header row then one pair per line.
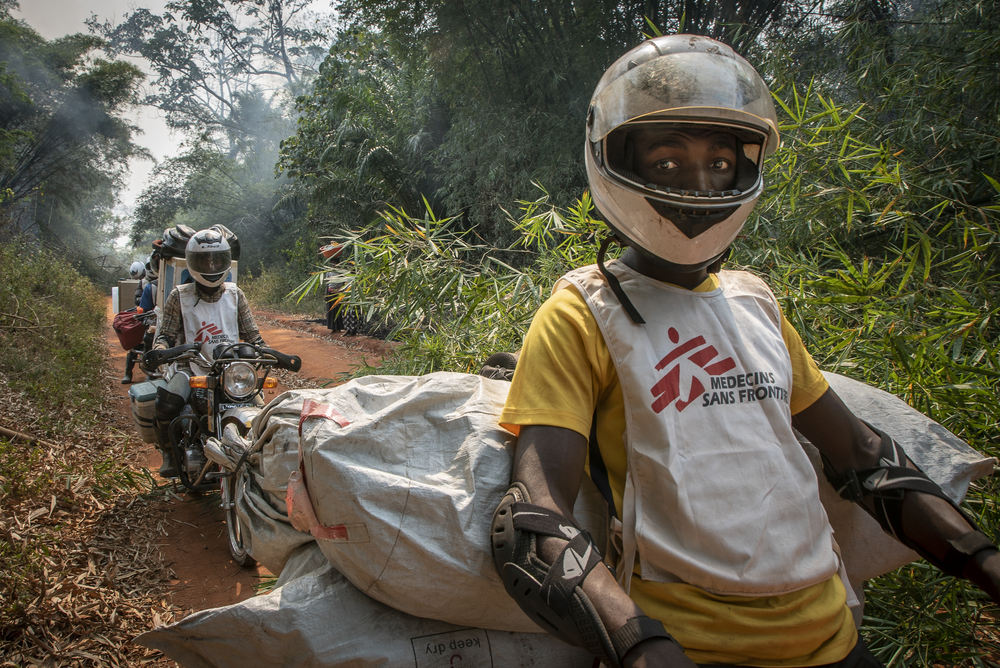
x,y
137,272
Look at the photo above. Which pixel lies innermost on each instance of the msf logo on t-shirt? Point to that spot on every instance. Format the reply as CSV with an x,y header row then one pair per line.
x,y
694,351
207,332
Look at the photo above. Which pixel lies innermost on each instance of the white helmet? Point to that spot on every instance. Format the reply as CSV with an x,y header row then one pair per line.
x,y
208,258
678,81
136,270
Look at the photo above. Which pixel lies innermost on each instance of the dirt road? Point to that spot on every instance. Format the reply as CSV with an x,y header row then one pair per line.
x,y
196,547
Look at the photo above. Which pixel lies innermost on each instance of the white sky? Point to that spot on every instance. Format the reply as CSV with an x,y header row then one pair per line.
x,y
56,18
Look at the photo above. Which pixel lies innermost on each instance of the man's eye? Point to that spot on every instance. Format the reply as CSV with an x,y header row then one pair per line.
x,y
721,164
666,164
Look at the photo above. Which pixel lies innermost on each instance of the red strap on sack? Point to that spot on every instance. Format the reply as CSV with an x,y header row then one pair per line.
x,y
302,514
315,409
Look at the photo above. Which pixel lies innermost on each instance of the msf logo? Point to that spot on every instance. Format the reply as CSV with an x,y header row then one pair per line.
x,y
207,331
694,351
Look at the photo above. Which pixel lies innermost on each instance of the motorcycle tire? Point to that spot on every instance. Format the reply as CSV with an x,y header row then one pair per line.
x,y
235,531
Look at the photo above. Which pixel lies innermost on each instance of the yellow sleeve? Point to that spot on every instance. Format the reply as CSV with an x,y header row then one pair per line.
x,y
808,383
564,365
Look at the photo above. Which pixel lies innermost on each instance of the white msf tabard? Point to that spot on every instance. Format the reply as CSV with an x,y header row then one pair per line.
x,y
718,493
212,324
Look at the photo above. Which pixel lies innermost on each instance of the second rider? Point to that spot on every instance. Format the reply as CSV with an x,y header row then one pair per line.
x,y
210,311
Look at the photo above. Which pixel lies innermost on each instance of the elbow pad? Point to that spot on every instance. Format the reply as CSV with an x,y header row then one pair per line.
x,y
552,595
885,486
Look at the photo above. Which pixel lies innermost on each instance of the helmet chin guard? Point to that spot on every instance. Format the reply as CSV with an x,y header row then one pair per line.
x,y
681,83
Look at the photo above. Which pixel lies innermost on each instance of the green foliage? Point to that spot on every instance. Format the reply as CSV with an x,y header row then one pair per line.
x,y
271,286
211,58
61,126
469,104
203,186
51,322
359,144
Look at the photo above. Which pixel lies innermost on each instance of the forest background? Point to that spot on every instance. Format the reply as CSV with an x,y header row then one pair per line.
x,y
441,142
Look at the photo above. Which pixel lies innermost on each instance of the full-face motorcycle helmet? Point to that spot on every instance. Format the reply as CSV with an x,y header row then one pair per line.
x,y
136,270
175,240
680,82
208,258
234,241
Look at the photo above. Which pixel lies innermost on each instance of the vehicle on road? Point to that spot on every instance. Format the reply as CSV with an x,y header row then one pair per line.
x,y
224,400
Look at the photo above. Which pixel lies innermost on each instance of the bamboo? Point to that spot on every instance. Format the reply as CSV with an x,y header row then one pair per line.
x,y
16,435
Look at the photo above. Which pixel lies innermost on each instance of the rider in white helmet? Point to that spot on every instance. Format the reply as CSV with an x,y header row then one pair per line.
x,y
209,310
677,384
137,272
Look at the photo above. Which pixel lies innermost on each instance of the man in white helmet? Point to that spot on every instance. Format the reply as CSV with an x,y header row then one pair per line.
x,y
209,310
677,386
137,272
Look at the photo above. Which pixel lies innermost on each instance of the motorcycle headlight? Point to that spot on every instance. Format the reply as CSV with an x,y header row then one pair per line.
x,y
239,380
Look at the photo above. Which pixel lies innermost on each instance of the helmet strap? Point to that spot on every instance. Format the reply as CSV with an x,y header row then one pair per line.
x,y
613,282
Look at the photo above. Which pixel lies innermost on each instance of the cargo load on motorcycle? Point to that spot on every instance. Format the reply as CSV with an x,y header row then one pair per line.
x,y
373,500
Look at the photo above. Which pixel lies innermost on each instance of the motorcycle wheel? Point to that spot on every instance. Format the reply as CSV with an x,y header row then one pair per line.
x,y
234,528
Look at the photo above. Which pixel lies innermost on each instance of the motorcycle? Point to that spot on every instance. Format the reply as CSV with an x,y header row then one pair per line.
x,y
217,419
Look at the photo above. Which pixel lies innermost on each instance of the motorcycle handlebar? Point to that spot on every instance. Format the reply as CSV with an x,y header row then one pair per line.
x,y
154,358
290,362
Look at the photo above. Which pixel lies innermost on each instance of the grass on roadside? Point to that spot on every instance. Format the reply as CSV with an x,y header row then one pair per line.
x,y
82,573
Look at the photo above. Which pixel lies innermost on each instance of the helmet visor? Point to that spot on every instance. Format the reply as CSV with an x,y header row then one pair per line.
x,y
209,262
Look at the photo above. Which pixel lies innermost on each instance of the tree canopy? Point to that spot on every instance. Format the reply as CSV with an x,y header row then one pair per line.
x,y
65,138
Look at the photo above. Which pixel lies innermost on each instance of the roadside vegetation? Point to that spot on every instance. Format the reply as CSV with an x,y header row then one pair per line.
x,y
80,572
441,144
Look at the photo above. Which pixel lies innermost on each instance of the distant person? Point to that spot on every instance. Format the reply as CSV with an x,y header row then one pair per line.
x,y
208,310
137,272
334,298
147,302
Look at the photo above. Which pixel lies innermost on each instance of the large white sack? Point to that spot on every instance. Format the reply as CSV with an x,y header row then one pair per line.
x,y
423,463
948,460
317,619
261,485
407,488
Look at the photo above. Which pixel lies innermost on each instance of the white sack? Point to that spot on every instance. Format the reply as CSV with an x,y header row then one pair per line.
x,y
868,551
319,619
260,490
411,483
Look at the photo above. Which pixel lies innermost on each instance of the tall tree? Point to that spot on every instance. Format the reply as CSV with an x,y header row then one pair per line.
x,y
63,133
210,56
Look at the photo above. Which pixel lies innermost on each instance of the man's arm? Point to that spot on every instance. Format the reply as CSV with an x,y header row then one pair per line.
x,y
247,325
549,462
170,325
929,522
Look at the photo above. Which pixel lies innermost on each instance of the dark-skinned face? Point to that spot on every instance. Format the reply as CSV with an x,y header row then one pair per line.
x,y
700,160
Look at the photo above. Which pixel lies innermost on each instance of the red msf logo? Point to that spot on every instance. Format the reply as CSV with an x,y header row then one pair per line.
x,y
668,389
207,331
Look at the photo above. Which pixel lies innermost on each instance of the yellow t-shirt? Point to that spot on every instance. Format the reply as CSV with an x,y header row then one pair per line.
x,y
564,371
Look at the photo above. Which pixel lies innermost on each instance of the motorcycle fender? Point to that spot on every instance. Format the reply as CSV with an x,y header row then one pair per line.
x,y
241,414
